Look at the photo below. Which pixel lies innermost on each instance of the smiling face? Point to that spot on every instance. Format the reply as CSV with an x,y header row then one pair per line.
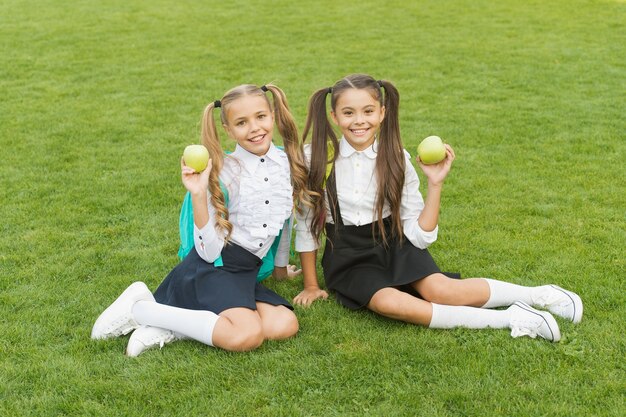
x,y
358,115
250,121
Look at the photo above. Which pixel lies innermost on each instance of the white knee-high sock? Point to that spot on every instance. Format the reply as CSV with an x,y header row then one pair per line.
x,y
448,317
504,294
195,324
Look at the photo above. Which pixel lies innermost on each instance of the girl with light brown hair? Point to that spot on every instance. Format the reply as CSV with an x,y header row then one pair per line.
x,y
213,295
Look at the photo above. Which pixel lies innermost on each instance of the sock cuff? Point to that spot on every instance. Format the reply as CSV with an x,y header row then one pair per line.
x,y
437,315
504,294
213,318
195,324
494,300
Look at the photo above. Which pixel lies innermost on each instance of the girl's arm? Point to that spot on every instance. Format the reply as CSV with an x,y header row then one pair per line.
x,y
198,186
429,218
311,291
207,242
307,246
436,174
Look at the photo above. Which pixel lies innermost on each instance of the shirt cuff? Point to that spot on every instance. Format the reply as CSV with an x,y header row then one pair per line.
x,y
207,242
421,238
429,237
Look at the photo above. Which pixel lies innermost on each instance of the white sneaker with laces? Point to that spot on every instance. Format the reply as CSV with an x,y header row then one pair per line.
x,y
147,337
117,319
526,321
558,301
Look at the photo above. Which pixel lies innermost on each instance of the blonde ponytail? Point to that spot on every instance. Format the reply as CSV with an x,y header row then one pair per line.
x,y
211,140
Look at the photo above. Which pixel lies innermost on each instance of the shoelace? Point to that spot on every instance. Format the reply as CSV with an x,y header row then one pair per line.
x,y
524,328
555,301
121,326
161,339
551,298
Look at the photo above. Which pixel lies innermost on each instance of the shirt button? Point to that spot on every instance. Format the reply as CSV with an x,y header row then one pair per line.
x,y
265,178
267,201
264,225
260,245
262,159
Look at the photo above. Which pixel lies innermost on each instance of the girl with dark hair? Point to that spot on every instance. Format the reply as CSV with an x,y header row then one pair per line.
x,y
378,226
213,295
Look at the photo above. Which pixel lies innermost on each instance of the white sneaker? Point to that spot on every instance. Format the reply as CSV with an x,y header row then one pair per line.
x,y
117,319
558,301
526,321
147,337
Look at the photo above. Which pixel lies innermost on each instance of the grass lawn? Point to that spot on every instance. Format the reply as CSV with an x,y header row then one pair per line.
x,y
99,98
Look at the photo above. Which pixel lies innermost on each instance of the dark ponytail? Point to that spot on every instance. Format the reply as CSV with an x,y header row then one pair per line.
x,y
321,134
390,163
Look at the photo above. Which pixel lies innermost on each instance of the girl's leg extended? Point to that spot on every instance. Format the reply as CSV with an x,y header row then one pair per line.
x,y
399,305
490,293
555,299
520,318
278,322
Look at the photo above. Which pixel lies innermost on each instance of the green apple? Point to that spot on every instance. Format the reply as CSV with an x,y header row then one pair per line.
x,y
431,150
196,157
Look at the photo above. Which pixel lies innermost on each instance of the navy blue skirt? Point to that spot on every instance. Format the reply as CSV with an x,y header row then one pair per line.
x,y
197,285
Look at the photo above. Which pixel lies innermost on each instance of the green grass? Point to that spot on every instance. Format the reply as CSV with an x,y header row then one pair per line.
x,y
100,98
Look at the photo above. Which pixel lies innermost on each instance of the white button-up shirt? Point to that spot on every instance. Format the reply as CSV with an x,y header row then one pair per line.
x,y
356,191
259,203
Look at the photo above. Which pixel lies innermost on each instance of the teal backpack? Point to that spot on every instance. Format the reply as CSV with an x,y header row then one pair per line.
x,y
185,226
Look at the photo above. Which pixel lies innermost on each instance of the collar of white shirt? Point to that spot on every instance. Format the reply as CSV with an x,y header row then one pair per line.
x,y
346,150
252,161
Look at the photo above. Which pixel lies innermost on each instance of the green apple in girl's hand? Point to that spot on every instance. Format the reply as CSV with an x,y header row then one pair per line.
x,y
196,157
431,150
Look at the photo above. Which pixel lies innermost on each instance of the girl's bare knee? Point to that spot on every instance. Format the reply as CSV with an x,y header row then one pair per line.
x,y
436,290
290,326
245,339
282,327
383,302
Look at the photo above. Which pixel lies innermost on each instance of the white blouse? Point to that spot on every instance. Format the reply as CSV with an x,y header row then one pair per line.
x,y
356,191
259,203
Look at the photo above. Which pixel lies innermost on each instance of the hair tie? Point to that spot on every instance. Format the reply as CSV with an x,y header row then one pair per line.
x,y
380,83
217,104
330,90
264,88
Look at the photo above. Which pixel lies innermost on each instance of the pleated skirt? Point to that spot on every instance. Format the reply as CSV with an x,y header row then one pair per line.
x,y
356,265
198,285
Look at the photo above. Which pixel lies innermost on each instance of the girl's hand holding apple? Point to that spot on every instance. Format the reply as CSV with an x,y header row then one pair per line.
x,y
437,172
195,182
